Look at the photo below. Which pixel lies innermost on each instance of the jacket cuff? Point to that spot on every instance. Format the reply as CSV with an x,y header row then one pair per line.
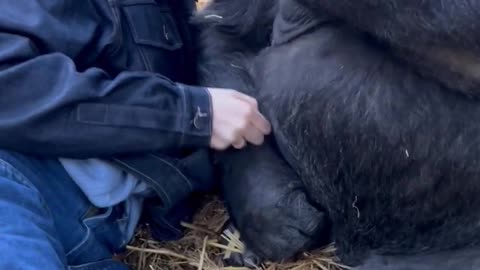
x,y
198,117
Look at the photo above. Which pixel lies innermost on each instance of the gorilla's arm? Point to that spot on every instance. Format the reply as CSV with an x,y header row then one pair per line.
x,y
452,24
260,189
268,204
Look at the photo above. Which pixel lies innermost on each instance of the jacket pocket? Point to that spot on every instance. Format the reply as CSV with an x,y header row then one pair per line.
x,y
156,35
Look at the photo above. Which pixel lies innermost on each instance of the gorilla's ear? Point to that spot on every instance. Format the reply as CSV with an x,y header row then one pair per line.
x,y
247,22
294,19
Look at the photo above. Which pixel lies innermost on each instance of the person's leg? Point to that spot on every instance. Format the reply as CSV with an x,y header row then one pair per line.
x,y
46,222
28,238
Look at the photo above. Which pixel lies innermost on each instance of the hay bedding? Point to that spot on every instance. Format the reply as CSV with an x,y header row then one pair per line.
x,y
200,248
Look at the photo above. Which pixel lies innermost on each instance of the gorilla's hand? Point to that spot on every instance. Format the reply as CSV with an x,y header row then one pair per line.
x,y
268,205
280,229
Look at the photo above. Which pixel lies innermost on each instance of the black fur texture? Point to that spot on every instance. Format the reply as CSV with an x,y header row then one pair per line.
x,y
367,151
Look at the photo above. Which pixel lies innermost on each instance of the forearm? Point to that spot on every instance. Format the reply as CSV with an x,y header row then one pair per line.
x,y
49,108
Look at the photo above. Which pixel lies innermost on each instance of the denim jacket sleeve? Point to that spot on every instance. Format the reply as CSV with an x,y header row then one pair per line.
x,y
51,106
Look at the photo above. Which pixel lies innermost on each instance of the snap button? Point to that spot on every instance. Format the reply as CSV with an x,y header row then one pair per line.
x,y
200,120
165,33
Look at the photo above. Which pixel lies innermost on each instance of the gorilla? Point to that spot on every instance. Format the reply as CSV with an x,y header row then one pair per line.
x,y
376,119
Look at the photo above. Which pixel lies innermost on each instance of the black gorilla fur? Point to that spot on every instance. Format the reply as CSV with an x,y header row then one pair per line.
x,y
372,145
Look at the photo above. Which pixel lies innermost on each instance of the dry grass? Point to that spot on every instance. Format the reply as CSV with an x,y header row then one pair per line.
x,y
200,248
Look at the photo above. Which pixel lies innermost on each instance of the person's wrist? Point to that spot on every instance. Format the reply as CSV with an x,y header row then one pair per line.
x,y
197,124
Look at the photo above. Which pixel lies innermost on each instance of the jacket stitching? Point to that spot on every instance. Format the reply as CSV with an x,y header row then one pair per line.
x,y
153,182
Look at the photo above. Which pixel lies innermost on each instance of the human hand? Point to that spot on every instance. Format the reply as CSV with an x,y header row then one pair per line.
x,y
236,120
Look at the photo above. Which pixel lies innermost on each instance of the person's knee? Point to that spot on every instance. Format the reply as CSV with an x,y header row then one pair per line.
x,y
11,177
27,231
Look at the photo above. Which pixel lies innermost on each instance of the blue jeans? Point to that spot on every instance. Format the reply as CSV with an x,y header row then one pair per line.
x,y
47,223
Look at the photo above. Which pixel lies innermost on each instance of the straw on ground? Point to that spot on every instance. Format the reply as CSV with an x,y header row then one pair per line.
x,y
202,248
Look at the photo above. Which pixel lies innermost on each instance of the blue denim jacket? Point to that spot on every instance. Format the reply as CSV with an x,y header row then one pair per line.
x,y
110,79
